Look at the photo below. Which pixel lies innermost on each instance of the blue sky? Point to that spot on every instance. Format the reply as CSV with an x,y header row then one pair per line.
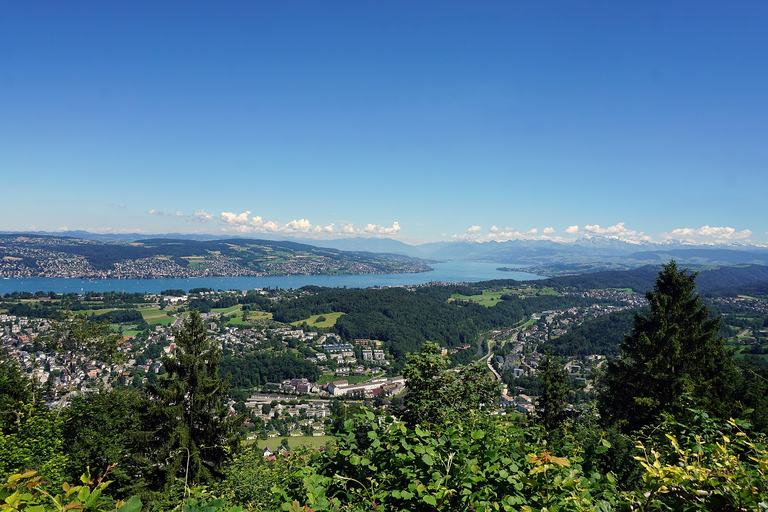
x,y
422,121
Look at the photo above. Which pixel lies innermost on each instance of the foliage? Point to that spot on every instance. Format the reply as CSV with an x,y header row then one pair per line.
x,y
99,429
432,391
33,440
714,470
672,355
25,491
475,462
29,433
250,478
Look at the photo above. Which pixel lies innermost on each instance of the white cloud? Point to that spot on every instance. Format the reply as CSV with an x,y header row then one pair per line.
x,y
201,216
709,232
375,229
572,230
301,226
244,223
121,206
155,212
615,230
235,218
501,234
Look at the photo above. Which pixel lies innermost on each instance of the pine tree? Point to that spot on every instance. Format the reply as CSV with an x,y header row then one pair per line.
x,y
672,359
554,393
193,431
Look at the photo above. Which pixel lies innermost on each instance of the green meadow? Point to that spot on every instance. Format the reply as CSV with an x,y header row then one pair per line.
x,y
312,321
309,441
490,298
154,316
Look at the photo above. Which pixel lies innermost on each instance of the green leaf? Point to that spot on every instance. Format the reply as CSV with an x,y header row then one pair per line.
x,y
82,496
478,434
132,505
428,460
430,500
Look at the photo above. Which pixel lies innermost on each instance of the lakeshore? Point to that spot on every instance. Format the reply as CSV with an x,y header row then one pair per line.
x,y
446,272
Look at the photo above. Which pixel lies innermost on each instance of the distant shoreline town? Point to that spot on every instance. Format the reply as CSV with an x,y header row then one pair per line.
x,y
24,256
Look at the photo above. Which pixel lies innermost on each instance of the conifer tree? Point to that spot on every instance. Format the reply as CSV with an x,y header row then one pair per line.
x,y
193,431
554,392
673,359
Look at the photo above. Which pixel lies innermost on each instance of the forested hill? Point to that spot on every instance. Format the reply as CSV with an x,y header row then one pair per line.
x,y
48,256
642,279
405,318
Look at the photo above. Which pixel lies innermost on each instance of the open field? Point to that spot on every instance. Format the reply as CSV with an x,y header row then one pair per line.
x,y
196,261
259,315
228,311
89,312
154,316
330,320
309,441
490,298
352,379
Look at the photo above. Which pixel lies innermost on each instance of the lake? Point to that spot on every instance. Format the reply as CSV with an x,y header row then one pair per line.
x,y
447,272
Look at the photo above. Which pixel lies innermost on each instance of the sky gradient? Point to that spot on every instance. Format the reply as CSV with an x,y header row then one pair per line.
x,y
421,121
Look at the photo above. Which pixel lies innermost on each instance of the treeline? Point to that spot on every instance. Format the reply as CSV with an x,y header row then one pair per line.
x,y
601,335
258,368
641,279
120,316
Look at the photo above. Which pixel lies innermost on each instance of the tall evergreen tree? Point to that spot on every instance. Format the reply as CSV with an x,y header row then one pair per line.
x,y
193,431
554,392
672,359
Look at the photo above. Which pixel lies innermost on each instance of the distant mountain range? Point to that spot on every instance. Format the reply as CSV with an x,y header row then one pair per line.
x,y
589,254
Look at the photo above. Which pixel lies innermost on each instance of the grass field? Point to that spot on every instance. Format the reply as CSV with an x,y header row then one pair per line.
x,y
196,261
89,312
490,298
330,320
352,379
309,441
154,316
228,311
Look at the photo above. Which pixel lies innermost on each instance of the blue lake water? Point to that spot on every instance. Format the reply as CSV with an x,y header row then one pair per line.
x,y
447,272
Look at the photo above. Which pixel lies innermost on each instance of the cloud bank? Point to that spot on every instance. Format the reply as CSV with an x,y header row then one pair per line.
x,y
708,233
245,223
